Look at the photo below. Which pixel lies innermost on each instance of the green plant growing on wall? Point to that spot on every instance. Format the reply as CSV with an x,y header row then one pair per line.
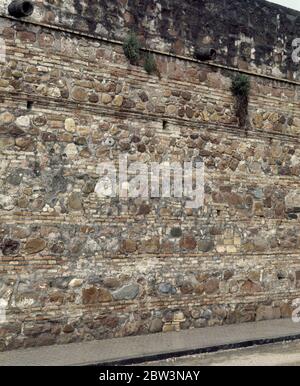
x,y
240,88
131,47
150,64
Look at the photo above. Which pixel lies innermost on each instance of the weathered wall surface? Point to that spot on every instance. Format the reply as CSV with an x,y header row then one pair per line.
x,y
248,34
75,267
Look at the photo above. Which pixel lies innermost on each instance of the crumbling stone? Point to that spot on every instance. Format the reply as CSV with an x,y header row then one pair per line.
x,y
95,295
128,292
188,242
35,246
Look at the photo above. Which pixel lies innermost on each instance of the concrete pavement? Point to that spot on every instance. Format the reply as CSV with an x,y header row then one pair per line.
x,y
137,349
277,354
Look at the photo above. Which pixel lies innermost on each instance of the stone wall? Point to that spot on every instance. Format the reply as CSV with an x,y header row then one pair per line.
x,y
75,267
248,34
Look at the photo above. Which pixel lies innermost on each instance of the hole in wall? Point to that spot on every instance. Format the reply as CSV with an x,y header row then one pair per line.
x,y
19,8
27,8
29,105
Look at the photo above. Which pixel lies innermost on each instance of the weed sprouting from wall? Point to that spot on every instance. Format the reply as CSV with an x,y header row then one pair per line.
x,y
150,64
131,47
133,51
240,88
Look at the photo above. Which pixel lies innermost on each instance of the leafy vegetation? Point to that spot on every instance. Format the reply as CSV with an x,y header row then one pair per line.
x,y
240,85
240,88
131,47
150,64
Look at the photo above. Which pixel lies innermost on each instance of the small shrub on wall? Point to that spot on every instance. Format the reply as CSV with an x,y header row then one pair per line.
x,y
131,47
133,52
240,88
150,64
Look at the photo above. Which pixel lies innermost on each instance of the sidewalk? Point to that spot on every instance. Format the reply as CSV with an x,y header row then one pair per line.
x,y
138,349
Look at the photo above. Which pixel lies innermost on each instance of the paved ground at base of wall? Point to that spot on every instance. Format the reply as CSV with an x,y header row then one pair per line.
x,y
137,349
277,354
